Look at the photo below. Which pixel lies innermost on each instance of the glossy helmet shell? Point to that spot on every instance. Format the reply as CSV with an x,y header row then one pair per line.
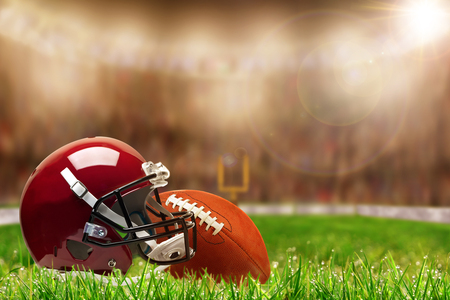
x,y
52,217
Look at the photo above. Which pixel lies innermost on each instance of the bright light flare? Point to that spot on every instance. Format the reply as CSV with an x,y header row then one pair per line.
x,y
427,20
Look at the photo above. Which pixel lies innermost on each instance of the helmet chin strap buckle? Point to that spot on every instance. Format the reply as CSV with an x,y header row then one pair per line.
x,y
171,249
161,172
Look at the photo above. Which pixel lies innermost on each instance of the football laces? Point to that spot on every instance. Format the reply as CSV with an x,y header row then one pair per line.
x,y
198,212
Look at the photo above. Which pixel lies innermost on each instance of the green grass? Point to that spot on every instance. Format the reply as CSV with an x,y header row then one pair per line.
x,y
317,236
313,257
13,252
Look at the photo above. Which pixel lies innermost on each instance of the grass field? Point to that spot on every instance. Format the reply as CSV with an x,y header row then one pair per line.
x,y
317,237
314,257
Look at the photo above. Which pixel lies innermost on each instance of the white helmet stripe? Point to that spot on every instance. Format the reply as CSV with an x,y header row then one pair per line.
x,y
83,193
78,188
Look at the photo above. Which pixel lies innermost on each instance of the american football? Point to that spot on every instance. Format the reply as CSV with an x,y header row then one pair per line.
x,y
229,245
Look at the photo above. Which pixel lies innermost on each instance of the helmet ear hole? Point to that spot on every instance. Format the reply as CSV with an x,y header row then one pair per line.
x,y
78,250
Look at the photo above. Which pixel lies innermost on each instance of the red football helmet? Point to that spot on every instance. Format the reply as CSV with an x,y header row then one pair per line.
x,y
86,207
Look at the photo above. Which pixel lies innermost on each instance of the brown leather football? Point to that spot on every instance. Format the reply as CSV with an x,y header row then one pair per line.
x,y
229,245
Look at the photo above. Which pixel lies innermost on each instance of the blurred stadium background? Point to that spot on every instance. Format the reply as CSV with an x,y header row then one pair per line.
x,y
341,102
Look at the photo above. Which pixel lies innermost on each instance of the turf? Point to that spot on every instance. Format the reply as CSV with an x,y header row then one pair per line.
x,y
315,237
319,236
313,257
13,252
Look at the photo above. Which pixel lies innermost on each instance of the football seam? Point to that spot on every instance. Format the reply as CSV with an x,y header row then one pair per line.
x,y
230,231
251,258
206,241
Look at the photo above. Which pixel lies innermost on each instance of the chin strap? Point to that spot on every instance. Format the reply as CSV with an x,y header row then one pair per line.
x,y
169,250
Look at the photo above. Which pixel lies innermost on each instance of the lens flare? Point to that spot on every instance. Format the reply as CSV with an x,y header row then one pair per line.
x,y
349,85
427,20
342,103
420,28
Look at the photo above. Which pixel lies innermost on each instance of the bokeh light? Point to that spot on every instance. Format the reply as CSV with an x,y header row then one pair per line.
x,y
358,94
353,79
343,84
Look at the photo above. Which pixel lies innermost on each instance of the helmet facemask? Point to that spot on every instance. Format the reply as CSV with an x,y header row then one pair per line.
x,y
129,217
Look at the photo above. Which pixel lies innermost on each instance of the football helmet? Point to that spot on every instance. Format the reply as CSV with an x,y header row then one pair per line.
x,y
87,205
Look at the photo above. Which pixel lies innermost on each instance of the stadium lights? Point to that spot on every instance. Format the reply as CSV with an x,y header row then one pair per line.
x,y
425,20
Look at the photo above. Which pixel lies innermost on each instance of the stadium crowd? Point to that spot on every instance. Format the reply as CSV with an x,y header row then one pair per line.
x,y
188,112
